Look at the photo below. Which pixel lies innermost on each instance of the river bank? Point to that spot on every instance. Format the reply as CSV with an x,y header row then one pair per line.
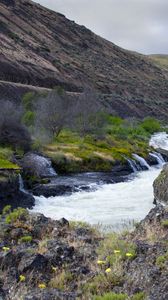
x,y
80,262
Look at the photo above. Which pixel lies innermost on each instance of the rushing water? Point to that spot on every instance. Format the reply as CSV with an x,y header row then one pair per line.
x,y
111,205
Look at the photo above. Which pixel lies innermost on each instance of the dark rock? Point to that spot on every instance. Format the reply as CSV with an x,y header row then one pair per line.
x,y
63,222
41,225
33,262
160,186
37,166
50,294
10,194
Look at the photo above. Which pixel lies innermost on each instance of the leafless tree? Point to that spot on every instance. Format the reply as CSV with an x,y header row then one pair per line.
x,y
82,113
88,115
53,113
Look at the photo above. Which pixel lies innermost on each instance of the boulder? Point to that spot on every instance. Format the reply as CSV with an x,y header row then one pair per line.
x,y
38,166
160,186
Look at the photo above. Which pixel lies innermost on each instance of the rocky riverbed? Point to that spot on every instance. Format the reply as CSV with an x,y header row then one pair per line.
x,y
45,259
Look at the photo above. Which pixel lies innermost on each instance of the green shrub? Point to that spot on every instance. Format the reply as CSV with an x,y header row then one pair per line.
x,y
151,125
28,100
164,223
5,153
6,210
102,283
114,242
16,215
161,260
28,118
25,239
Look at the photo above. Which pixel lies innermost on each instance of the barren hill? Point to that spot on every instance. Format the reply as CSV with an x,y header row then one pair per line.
x,y
39,47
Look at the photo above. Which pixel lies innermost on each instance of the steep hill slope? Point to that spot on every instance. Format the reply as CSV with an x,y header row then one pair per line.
x,y
40,47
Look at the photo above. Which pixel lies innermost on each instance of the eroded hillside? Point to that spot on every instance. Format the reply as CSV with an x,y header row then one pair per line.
x,y
43,48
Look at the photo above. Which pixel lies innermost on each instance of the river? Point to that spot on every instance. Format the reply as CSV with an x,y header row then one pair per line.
x,y
111,205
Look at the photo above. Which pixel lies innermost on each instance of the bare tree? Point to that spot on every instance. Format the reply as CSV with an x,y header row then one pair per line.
x,y
88,114
53,113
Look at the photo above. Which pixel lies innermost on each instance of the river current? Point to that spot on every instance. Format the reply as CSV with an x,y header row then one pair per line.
x,y
111,205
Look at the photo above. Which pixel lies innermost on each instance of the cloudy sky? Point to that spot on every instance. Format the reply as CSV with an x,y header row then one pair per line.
x,y
140,25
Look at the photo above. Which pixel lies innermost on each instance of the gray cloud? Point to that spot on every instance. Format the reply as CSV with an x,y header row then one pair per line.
x,y
139,25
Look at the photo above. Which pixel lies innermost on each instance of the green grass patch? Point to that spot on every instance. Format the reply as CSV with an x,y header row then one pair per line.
x,y
112,296
6,164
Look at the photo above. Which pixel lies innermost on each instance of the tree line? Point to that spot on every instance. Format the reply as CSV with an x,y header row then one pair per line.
x,y
44,116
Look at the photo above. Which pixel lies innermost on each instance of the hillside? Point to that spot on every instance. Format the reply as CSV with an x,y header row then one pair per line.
x,y
43,48
160,59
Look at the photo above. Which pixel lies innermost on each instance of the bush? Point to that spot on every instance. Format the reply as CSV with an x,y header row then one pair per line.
x,y
161,260
151,125
25,239
16,215
164,223
6,210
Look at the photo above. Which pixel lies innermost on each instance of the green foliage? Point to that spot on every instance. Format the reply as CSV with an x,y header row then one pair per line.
x,y
28,101
6,210
161,260
61,280
25,239
5,153
111,296
151,125
164,223
110,244
138,296
102,283
114,120
28,118
16,215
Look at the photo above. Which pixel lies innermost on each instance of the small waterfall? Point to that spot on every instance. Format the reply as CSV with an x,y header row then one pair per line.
x,y
143,163
133,164
158,157
21,185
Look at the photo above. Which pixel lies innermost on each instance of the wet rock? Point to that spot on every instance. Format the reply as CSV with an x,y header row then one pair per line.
x,y
37,166
160,186
12,195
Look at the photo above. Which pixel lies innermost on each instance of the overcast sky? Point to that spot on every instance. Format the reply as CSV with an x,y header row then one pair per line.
x,y
140,25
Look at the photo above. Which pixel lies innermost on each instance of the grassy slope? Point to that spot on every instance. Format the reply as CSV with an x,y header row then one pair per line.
x,y
160,59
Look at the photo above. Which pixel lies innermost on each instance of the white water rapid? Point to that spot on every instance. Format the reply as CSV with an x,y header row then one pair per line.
x,y
111,205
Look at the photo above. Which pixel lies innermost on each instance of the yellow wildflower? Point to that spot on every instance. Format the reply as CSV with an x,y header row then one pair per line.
x,y
116,251
54,268
128,254
42,285
5,248
108,270
101,262
22,278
